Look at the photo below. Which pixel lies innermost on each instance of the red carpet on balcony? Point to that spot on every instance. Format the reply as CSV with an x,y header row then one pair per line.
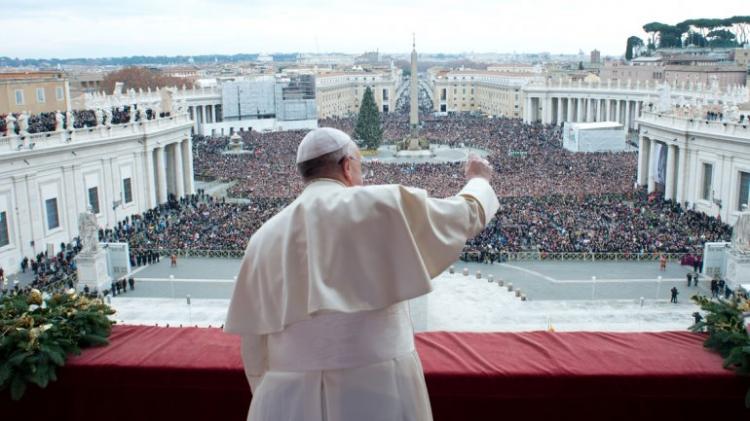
x,y
156,373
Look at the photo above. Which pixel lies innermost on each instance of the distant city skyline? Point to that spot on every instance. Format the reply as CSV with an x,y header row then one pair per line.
x,y
90,28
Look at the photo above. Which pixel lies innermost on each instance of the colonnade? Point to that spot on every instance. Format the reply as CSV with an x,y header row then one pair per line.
x,y
676,167
204,114
559,109
169,170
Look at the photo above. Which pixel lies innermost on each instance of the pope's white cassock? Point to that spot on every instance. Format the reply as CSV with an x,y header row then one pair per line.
x,y
320,300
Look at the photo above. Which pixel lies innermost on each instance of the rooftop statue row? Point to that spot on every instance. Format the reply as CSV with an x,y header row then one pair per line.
x,y
691,86
91,116
24,123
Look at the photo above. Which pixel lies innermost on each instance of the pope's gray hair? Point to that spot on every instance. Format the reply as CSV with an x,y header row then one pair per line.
x,y
325,164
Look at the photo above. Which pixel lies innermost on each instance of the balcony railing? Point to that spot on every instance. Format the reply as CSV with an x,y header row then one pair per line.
x,y
698,125
32,141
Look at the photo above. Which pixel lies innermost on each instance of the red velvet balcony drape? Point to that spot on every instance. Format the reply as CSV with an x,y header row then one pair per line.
x,y
156,373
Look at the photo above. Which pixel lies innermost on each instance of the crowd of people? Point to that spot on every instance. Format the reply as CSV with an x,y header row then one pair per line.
x,y
611,223
50,273
528,159
195,222
551,200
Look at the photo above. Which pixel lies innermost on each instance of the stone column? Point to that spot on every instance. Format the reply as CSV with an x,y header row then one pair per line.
x,y
149,180
681,174
559,111
161,174
652,176
187,162
579,110
179,178
527,111
203,117
644,148
194,116
669,181
569,101
213,113
617,112
637,113
608,109
627,116
589,111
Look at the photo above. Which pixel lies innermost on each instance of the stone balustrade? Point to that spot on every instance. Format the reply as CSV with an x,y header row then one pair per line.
x,y
24,142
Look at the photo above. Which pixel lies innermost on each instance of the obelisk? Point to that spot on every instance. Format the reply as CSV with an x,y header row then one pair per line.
x,y
414,104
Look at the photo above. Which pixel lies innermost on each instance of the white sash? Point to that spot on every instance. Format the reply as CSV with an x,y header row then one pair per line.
x,y
331,341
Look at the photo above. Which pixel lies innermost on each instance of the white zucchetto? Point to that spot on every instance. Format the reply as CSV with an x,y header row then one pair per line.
x,y
320,142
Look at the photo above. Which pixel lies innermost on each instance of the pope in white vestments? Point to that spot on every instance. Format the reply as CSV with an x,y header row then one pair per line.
x,y
320,300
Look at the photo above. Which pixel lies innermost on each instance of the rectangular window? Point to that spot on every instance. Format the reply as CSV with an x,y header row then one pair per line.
x,y
94,199
53,221
385,94
19,97
40,98
708,174
744,190
127,190
59,93
4,238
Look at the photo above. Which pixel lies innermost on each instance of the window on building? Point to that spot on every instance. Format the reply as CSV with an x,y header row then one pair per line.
x,y
708,174
53,220
744,198
19,97
4,237
59,93
40,98
443,94
385,108
127,190
94,199
385,94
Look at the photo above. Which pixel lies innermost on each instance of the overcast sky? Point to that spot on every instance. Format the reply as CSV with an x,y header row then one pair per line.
x,y
91,28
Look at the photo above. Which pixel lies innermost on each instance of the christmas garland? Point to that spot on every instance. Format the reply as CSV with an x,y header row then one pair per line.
x,y
37,334
726,324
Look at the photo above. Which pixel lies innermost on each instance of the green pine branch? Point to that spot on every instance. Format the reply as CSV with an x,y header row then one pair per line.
x,y
37,335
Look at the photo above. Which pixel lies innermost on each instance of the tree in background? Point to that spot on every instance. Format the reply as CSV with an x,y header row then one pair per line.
x,y
368,131
741,26
721,38
141,78
633,43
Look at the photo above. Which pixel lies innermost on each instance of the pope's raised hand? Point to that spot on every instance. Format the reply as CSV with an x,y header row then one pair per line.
x,y
478,167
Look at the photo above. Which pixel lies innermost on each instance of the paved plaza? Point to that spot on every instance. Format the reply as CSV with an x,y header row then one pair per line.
x,y
561,295
213,278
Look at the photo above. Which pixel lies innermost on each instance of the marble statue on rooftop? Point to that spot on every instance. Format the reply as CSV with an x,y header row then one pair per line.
x,y
58,121
733,113
107,117
167,96
99,115
741,233
23,123
71,120
665,98
88,228
10,125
